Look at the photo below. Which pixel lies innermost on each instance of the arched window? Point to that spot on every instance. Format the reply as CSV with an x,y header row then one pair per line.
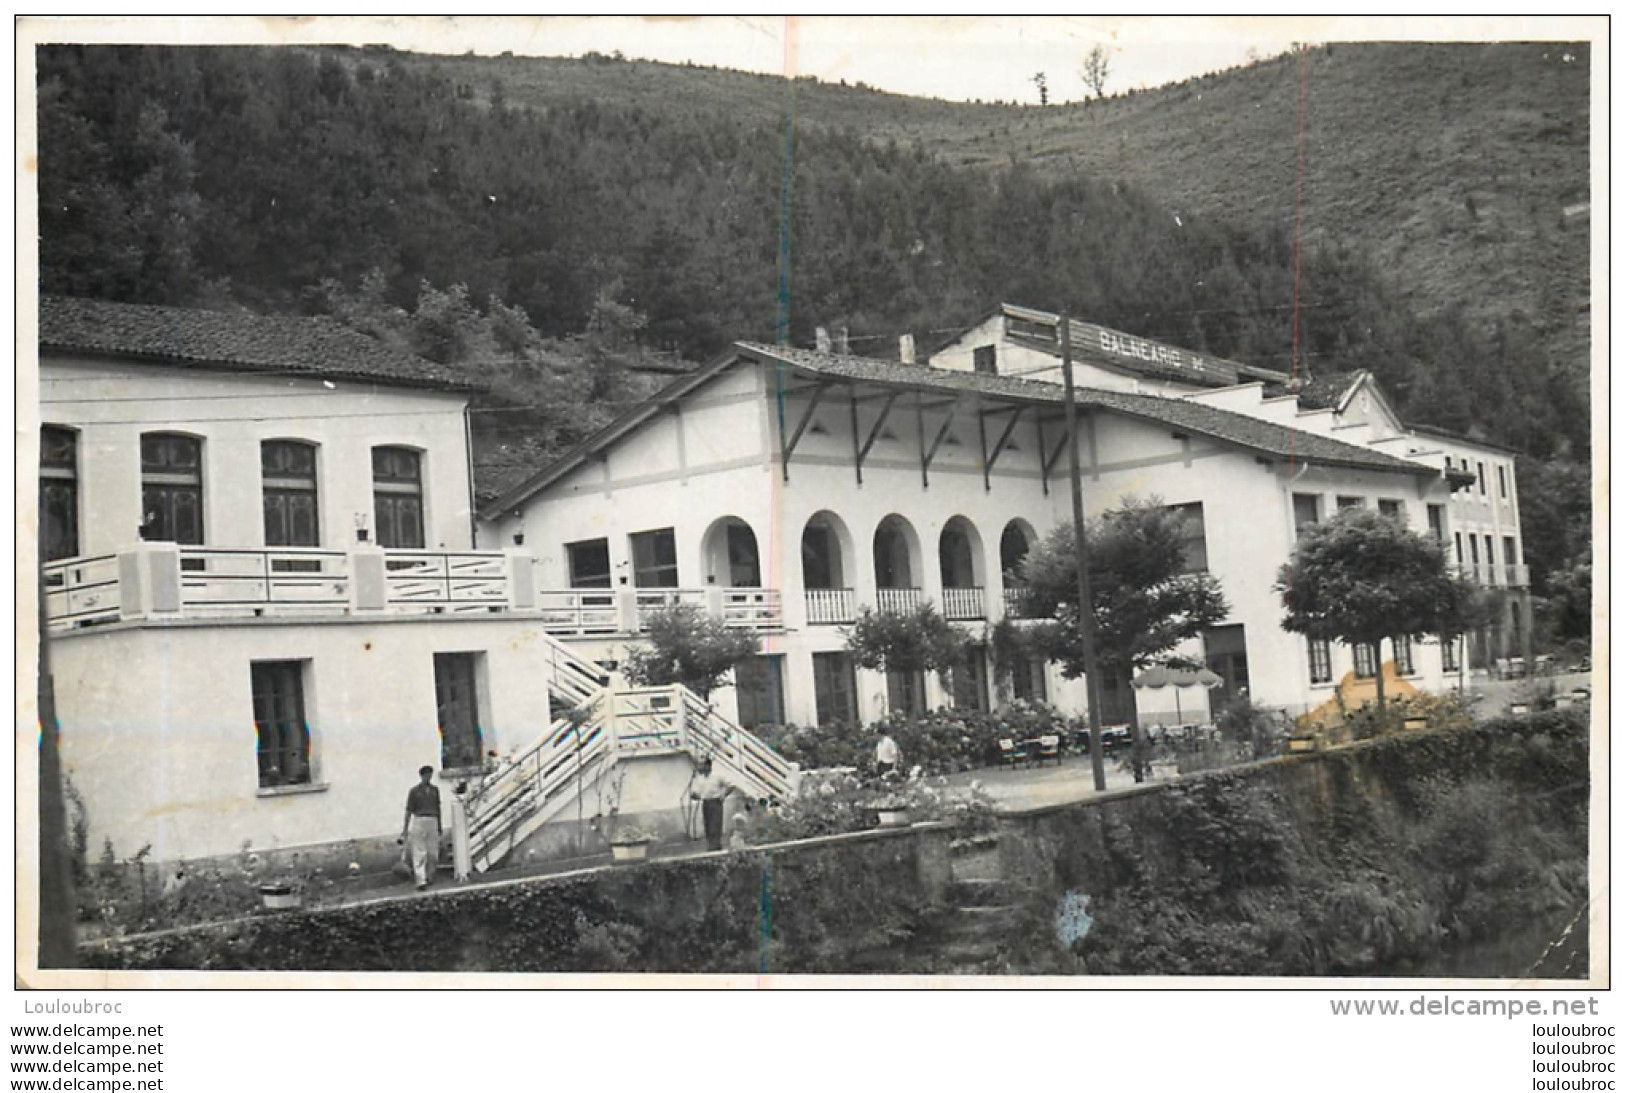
x,y
397,497
171,488
288,470
58,493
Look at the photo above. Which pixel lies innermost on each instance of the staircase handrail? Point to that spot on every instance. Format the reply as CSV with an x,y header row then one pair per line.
x,y
741,751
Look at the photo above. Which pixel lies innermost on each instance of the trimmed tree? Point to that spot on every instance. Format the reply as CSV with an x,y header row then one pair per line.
x,y
904,641
1361,577
1148,599
685,644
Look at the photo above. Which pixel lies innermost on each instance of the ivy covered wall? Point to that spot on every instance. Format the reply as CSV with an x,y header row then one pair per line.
x,y
1377,859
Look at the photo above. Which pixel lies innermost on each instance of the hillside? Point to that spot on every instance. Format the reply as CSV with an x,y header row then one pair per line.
x,y
562,230
1449,164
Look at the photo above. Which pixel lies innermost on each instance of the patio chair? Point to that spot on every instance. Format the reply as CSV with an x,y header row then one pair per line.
x,y
1049,747
1011,753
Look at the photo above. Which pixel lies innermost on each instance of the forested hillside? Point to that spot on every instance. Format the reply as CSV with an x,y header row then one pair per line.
x,y
556,240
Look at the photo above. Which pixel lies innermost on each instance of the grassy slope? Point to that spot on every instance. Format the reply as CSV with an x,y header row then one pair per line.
x,y
1399,138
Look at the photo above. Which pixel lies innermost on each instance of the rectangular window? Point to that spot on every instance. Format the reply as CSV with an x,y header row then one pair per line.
x,y
1350,503
457,710
1481,487
1447,654
58,493
1195,536
171,488
1509,550
1489,550
279,722
969,679
1320,661
589,563
1436,523
759,685
1460,560
1365,661
654,559
397,497
288,475
835,689
905,693
1402,656
1472,547
1027,681
1305,509
1501,475
986,359
1394,510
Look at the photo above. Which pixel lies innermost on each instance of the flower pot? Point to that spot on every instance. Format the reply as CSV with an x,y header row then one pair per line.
x,y
892,817
629,851
279,897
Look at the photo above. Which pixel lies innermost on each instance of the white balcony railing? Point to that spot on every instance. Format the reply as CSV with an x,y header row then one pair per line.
x,y
578,611
1013,607
753,608
964,603
830,606
899,600
164,580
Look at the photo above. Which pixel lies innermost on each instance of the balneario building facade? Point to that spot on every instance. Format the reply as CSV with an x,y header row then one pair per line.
x,y
270,598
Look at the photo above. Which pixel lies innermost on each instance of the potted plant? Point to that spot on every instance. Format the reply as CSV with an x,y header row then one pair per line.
x,y
630,844
891,811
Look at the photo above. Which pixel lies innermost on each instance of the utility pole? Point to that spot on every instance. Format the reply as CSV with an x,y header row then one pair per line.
x,y
1086,603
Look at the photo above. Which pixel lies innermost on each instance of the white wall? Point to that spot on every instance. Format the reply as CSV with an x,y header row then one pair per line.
x,y
111,404
158,731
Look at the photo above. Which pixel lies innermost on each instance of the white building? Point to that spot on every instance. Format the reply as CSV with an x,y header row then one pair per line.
x,y
806,485
264,603
269,600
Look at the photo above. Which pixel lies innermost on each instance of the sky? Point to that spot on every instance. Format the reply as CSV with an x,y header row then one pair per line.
x,y
963,58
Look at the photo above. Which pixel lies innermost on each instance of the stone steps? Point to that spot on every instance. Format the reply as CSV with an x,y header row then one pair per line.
x,y
972,934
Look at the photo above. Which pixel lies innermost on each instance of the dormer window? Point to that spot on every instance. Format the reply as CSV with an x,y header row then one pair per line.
x,y
986,359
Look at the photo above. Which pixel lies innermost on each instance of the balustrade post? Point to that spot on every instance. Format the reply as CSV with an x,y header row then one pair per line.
x,y
149,580
369,587
715,602
626,610
520,574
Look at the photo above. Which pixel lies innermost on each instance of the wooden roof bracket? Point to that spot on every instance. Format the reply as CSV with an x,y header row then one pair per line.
x,y
787,448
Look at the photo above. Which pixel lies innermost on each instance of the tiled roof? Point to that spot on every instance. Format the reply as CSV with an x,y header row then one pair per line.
x,y
1182,414
234,341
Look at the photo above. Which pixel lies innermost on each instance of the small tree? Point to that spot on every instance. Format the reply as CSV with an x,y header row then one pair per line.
x,y
904,641
1362,577
1041,81
1097,66
686,645
1147,598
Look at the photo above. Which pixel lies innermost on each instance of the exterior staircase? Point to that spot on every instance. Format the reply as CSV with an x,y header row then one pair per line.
x,y
603,726
975,933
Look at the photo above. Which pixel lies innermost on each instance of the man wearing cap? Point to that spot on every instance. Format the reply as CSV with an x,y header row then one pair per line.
x,y
421,828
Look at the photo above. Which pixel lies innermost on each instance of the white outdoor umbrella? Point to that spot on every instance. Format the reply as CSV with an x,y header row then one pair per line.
x,y
1177,678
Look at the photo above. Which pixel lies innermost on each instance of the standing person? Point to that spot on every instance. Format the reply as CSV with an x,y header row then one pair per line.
x,y
421,828
711,792
888,756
